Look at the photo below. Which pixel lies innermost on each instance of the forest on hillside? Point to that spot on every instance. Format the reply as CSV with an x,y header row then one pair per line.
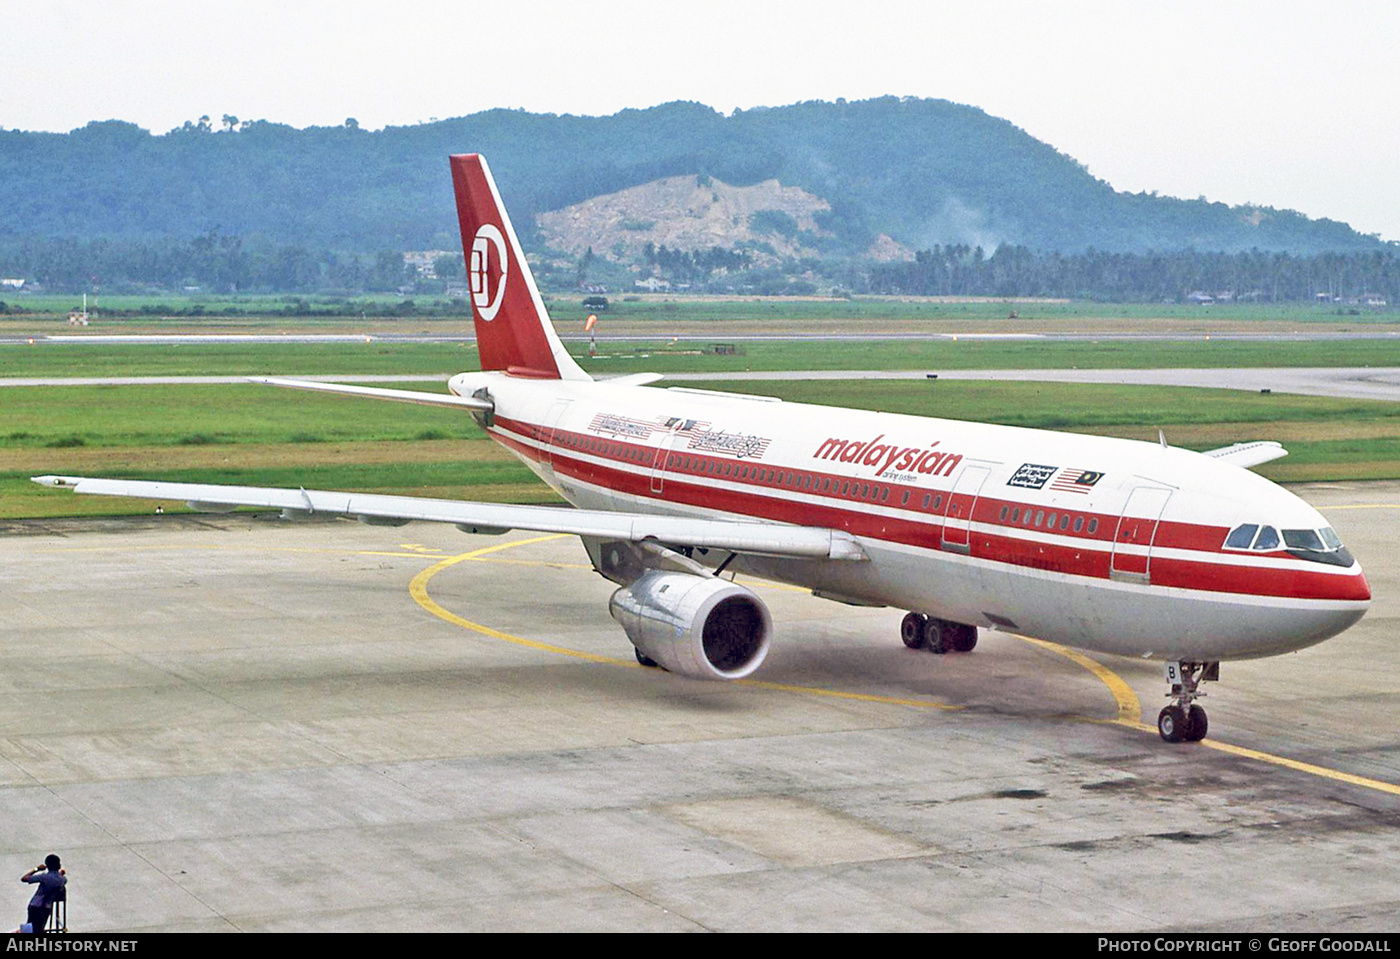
x,y
925,172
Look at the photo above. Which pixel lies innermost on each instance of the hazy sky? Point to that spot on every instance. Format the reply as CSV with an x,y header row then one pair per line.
x,y
1285,103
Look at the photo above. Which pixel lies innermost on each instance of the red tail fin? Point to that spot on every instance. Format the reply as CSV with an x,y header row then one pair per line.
x,y
513,332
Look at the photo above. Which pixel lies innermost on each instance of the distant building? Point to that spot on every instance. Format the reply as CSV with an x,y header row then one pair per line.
x,y
17,283
423,261
652,285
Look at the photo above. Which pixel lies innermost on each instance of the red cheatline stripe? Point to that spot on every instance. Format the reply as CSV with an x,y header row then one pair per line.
x,y
628,469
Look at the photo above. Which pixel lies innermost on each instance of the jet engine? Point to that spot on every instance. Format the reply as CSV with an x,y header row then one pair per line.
x,y
698,626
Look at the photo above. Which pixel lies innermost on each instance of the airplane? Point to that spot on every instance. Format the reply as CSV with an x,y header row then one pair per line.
x,y
1109,545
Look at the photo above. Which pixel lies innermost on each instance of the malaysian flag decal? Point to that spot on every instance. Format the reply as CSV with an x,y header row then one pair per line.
x,y
1075,480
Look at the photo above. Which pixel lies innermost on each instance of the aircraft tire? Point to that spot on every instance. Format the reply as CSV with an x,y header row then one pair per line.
x,y
1197,723
936,636
1172,724
964,638
911,630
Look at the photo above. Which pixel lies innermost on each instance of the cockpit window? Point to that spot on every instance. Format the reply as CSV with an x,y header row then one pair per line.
x,y
1242,536
1302,539
1317,545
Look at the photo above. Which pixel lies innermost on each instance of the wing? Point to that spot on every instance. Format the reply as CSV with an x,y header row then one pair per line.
x,y
1248,454
769,539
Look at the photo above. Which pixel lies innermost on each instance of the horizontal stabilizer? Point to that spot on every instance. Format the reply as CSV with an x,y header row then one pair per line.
x,y
374,392
768,539
1248,454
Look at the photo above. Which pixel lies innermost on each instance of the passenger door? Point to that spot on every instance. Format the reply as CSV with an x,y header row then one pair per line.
x,y
1136,532
962,500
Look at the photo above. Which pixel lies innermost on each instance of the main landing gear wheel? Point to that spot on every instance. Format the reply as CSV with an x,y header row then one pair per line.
x,y
918,631
936,636
911,629
964,638
1184,721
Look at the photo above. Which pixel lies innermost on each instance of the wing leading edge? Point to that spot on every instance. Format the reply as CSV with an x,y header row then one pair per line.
x,y
769,539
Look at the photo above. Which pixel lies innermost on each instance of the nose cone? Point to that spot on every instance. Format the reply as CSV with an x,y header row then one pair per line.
x,y
1349,585
1362,588
1350,598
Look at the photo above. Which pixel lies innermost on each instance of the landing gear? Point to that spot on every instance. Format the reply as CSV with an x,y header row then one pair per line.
x,y
918,631
936,636
1184,721
1172,724
964,638
911,629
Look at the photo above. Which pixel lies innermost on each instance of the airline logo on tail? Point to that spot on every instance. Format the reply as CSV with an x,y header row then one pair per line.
x,y
488,239
513,331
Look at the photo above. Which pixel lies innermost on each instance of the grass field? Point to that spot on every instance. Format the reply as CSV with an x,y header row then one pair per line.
x,y
380,357
258,435
262,436
271,310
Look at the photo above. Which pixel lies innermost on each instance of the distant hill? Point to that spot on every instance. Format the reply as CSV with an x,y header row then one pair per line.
x,y
891,172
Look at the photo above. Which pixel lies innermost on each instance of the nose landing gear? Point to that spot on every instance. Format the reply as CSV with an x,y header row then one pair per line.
x,y
1183,721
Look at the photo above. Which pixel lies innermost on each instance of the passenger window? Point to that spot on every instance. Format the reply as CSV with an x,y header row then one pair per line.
x,y
1039,518
1268,538
938,501
904,501
1079,524
1050,521
926,500
1016,515
1093,526
1064,522
1002,514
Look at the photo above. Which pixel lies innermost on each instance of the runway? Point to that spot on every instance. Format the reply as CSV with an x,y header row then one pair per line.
x,y
1365,383
633,331
241,723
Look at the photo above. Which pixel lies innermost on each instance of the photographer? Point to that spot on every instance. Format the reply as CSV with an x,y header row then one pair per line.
x,y
51,879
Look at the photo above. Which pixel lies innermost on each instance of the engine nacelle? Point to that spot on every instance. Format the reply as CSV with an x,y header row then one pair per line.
x,y
698,626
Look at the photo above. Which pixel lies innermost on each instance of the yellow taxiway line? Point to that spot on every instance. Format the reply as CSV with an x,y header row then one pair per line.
x,y
1129,707
418,589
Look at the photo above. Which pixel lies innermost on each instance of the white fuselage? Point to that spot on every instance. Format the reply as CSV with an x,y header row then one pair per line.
x,y
1104,544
